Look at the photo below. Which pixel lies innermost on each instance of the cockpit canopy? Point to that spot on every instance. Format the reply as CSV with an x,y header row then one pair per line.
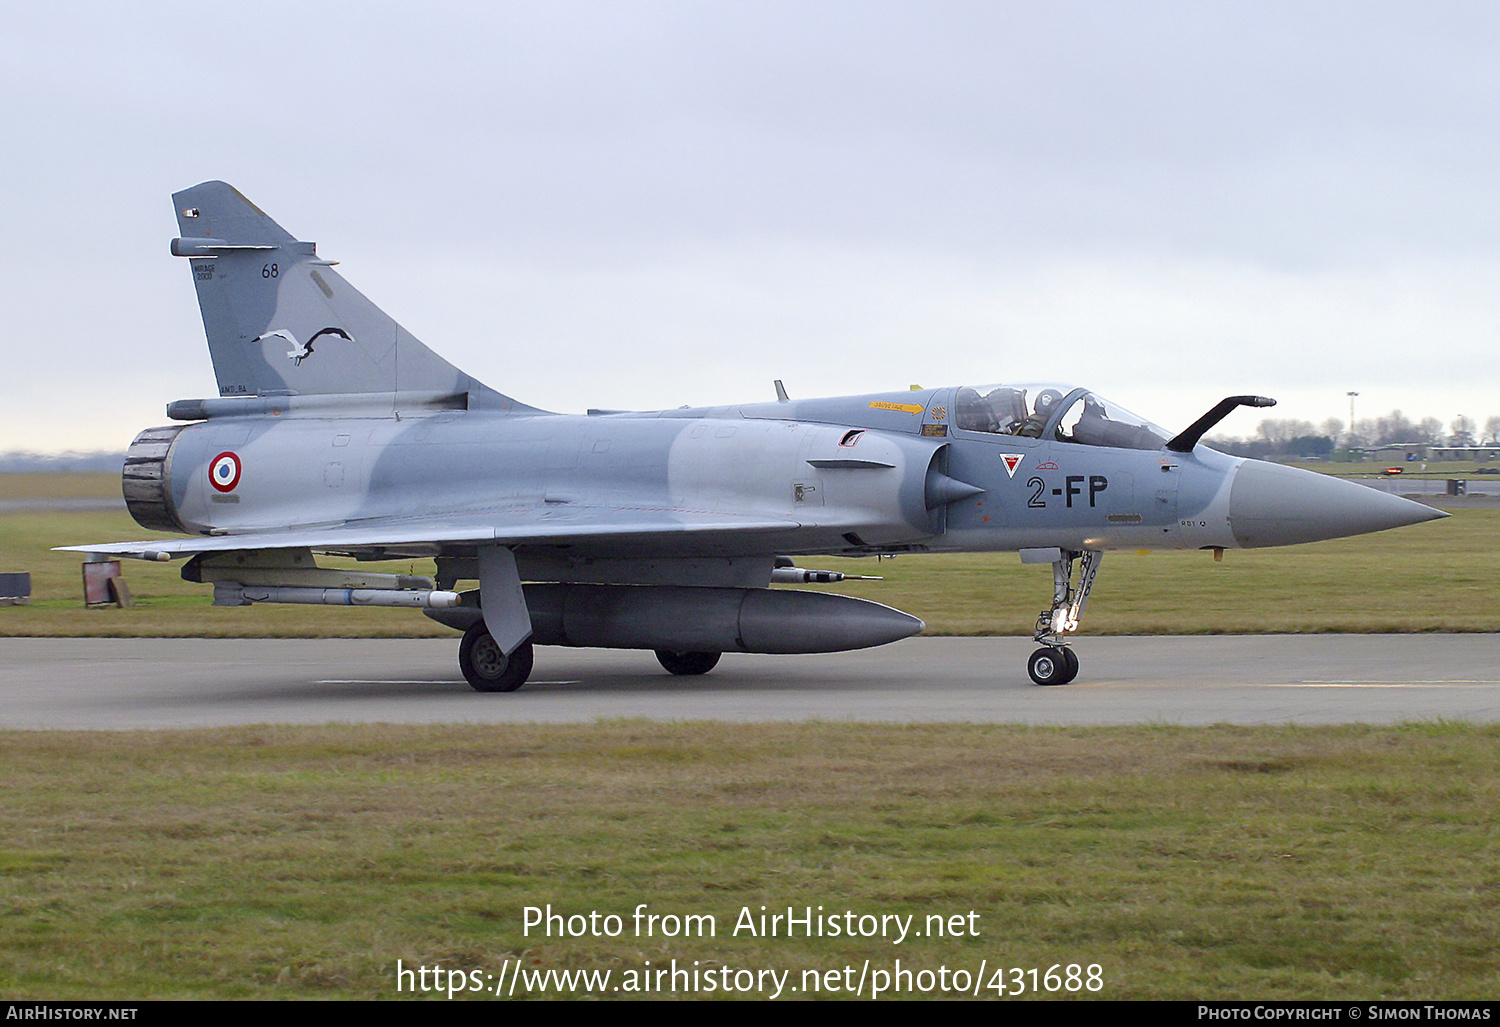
x,y
1059,412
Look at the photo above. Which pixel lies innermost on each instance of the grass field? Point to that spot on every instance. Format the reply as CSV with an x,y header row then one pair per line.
x,y
1467,469
1431,577
1350,863
59,485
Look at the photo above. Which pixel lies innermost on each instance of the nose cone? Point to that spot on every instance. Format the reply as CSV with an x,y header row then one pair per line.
x,y
1271,505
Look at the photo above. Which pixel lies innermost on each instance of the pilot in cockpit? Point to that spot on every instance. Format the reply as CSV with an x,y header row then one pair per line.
x,y
1046,402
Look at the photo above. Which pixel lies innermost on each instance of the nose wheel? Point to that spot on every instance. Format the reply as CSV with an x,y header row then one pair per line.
x,y
1055,663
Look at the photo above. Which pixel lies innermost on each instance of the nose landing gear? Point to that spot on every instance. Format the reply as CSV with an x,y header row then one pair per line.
x,y
1056,663
1053,665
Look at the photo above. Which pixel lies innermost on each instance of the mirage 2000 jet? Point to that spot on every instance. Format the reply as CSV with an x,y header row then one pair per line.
x,y
335,431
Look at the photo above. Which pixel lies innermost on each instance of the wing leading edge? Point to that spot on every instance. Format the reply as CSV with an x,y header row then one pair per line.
x,y
609,530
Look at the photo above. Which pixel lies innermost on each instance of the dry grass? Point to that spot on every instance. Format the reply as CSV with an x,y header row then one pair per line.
x,y
60,485
1352,862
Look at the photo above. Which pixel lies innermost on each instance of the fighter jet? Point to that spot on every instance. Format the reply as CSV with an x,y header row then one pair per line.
x,y
336,431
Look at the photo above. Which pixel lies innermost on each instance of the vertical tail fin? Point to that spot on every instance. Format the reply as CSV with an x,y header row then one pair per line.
x,y
281,321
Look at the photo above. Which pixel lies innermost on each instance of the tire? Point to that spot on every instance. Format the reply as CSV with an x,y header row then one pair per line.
x,y
486,668
687,663
1072,660
1049,666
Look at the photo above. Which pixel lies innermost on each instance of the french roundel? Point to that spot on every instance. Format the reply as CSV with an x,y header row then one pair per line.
x,y
224,472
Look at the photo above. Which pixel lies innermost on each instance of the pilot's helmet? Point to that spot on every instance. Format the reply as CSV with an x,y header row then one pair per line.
x,y
1046,400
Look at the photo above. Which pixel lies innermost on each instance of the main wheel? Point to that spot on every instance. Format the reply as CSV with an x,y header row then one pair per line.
x,y
1051,665
486,667
687,663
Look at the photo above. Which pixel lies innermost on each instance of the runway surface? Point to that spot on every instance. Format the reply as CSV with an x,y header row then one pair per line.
x,y
1277,679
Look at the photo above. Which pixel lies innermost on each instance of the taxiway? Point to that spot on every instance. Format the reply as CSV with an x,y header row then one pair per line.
x,y
104,684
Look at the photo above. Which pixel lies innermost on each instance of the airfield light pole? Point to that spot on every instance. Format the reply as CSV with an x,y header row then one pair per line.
x,y
1350,444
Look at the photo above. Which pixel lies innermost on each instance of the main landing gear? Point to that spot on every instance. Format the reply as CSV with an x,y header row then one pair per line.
x,y
486,667
1056,663
686,663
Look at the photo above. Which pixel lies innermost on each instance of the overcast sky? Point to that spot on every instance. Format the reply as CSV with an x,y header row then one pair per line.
x,y
640,205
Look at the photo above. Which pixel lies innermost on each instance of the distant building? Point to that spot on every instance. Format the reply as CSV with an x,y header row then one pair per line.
x,y
1403,452
18,462
1399,452
1476,453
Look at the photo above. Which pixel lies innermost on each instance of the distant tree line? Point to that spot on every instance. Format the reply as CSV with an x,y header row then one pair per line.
x,y
1292,437
17,461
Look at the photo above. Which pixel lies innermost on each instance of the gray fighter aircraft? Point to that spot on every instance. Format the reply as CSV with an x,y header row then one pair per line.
x,y
335,431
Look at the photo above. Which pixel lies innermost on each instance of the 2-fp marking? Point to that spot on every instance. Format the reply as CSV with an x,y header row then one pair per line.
x,y
224,472
1072,486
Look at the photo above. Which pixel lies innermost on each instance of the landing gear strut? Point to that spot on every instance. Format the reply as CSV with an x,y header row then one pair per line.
x,y
1056,663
